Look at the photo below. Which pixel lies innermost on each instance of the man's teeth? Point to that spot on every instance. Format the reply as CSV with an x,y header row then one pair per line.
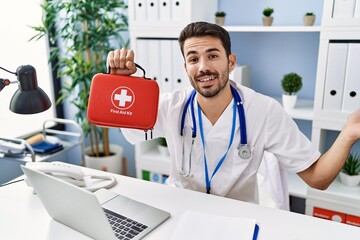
x,y
206,79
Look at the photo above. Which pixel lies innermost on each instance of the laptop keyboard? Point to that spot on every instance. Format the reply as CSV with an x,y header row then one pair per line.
x,y
123,227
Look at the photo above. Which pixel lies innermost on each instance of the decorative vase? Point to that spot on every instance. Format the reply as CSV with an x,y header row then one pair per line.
x,y
220,21
350,181
309,20
111,163
289,101
267,21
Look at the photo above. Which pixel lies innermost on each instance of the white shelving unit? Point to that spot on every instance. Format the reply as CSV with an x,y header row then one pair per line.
x,y
155,165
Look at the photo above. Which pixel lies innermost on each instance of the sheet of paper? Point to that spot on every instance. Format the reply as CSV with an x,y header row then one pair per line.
x,y
196,225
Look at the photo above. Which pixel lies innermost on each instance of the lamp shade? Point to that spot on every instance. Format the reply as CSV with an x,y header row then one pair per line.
x,y
29,98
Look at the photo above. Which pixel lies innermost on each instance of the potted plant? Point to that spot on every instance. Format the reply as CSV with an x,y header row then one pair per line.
x,y
163,148
291,83
220,18
81,33
349,174
309,19
267,19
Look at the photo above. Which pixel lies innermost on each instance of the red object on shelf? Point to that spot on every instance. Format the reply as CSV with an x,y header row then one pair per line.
x,y
329,215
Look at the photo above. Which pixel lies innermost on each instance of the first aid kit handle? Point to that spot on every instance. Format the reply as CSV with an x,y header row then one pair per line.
x,y
137,65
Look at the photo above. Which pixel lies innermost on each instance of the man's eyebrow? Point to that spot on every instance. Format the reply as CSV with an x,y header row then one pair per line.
x,y
207,50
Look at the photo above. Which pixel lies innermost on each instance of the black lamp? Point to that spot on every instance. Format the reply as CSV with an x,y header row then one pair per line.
x,y
29,98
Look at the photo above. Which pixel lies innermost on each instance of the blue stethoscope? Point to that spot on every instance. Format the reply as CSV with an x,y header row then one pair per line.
x,y
244,150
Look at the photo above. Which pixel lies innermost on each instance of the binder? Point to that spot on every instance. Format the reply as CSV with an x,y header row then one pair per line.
x,y
351,99
178,9
140,10
180,78
165,10
165,66
344,8
357,9
141,56
241,75
335,76
153,70
152,10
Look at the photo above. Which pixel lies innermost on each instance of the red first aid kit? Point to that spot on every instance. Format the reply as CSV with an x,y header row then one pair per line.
x,y
123,101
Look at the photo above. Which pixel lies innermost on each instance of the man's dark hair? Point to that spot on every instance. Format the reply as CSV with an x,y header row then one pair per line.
x,y
202,29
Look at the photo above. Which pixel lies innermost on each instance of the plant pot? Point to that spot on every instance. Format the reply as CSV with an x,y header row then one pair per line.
x,y
289,101
350,181
309,20
163,150
267,21
112,163
220,21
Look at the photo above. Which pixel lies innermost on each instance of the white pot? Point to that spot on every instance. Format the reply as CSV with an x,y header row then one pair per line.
x,y
350,181
289,101
163,150
112,163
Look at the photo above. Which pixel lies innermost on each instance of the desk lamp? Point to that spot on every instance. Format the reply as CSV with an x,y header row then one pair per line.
x,y
29,98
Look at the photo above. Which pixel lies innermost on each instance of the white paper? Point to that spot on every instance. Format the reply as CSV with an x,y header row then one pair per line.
x,y
196,225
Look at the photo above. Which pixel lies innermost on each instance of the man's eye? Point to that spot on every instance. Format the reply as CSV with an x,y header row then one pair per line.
x,y
212,56
192,60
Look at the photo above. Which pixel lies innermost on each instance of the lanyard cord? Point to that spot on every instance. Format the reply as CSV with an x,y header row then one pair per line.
x,y
207,179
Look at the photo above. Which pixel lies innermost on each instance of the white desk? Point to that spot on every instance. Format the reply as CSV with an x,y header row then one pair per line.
x,y
24,217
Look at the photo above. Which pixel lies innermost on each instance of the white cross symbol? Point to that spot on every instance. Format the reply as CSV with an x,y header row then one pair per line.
x,y
123,98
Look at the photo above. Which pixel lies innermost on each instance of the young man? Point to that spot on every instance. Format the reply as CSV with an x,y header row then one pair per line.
x,y
234,125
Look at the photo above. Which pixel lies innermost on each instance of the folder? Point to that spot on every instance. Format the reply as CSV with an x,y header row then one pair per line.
x,y
357,9
165,10
178,9
152,10
140,10
180,78
344,8
141,56
153,70
241,75
335,76
166,66
351,99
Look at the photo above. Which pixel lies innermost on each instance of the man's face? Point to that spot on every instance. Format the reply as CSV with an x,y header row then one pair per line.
x,y
207,65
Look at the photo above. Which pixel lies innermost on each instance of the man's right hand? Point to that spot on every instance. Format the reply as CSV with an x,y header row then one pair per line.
x,y
121,62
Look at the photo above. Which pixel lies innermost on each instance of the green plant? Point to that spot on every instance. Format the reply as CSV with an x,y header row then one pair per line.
x,y
352,165
220,14
309,14
291,83
81,33
268,11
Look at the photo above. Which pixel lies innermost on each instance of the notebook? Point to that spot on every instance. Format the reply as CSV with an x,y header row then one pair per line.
x,y
94,214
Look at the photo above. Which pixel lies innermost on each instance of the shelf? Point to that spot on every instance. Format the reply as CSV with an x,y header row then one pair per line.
x,y
304,109
272,29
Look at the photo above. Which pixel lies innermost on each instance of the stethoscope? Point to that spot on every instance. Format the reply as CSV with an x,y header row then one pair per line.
x,y
244,150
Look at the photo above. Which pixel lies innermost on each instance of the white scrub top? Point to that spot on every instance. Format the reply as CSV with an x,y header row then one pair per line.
x,y
269,128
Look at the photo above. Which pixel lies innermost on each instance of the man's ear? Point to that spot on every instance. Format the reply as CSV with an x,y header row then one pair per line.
x,y
232,61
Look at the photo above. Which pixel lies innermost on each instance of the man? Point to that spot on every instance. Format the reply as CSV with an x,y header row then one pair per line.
x,y
224,160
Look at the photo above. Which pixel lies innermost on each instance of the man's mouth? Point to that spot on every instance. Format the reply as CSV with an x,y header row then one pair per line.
x,y
206,78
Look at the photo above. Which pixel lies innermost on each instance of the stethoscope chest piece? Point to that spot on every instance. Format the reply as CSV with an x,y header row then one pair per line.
x,y
244,152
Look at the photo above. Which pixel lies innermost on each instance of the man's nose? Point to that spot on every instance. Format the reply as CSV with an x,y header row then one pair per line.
x,y
203,66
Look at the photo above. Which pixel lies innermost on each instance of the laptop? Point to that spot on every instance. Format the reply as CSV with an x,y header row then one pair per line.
x,y
100,215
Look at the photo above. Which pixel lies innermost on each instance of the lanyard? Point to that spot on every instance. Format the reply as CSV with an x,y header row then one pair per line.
x,y
207,179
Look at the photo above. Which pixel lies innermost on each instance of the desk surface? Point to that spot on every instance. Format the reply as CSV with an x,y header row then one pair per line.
x,y
24,217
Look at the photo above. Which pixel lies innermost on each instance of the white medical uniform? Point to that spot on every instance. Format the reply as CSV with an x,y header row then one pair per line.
x,y
269,128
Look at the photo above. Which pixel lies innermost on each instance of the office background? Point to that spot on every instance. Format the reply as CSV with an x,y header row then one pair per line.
x,y
269,54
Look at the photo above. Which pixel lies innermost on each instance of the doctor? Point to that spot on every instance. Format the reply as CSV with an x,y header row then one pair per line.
x,y
218,131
